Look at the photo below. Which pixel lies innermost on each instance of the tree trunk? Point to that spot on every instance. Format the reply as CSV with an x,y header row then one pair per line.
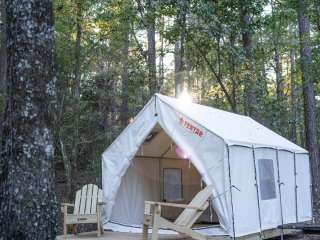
x,y
179,61
309,103
293,97
152,69
76,91
28,208
3,61
232,67
161,57
3,57
280,120
250,77
125,83
178,72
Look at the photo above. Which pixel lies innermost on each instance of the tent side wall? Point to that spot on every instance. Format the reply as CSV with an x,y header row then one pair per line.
x,y
304,193
268,193
244,192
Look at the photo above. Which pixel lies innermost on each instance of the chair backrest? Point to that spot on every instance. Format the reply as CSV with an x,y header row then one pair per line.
x,y
86,199
189,216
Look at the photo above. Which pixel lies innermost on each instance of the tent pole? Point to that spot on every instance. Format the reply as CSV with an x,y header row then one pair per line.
x,y
280,198
257,189
230,182
295,186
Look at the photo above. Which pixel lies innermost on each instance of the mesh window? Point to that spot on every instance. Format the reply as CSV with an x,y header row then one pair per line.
x,y
266,179
172,184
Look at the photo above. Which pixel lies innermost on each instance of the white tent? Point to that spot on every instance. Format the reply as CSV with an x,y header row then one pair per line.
x,y
261,180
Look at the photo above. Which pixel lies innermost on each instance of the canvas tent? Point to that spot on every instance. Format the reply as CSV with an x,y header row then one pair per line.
x,y
261,180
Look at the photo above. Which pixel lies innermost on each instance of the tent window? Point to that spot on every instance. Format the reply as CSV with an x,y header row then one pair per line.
x,y
172,184
266,179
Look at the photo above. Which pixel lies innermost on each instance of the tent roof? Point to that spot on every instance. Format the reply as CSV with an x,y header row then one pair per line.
x,y
233,128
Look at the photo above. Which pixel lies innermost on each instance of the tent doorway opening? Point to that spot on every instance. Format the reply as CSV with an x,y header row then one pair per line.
x,y
159,172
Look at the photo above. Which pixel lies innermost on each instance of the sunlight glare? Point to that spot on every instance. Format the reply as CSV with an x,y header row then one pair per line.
x,y
185,97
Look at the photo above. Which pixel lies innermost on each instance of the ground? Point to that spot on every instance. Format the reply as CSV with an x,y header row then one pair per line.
x,y
128,236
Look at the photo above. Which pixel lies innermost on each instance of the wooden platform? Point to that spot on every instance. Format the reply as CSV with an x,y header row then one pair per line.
x,y
136,236
306,227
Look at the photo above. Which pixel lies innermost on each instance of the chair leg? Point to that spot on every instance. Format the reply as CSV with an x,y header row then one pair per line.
x,y
65,230
145,232
156,222
99,229
75,229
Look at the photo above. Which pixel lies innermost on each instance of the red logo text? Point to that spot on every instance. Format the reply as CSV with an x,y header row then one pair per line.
x,y
186,124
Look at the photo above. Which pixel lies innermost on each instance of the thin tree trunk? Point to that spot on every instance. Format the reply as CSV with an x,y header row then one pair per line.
x,y
28,208
161,57
309,103
125,82
152,68
232,66
179,55
281,113
293,97
250,77
77,89
66,165
178,72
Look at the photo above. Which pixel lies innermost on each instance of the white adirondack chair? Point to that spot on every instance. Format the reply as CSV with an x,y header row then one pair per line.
x,y
87,208
184,222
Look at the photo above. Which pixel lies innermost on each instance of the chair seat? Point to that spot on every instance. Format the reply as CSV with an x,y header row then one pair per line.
x,y
82,218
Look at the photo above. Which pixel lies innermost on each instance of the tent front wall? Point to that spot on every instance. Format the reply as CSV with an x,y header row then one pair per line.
x,y
261,204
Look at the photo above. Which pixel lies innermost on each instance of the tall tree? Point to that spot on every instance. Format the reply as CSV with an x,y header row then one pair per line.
x,y
3,59
27,197
3,50
77,89
179,54
250,76
294,96
151,34
309,103
125,81
280,84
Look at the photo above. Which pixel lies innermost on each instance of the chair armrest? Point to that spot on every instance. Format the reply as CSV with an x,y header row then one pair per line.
x,y
64,207
67,204
175,205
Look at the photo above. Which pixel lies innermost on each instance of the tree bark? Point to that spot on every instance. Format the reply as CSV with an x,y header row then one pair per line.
x,y
162,54
309,103
3,49
152,68
250,77
280,120
293,97
125,82
28,207
3,61
232,67
178,66
76,91
179,55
